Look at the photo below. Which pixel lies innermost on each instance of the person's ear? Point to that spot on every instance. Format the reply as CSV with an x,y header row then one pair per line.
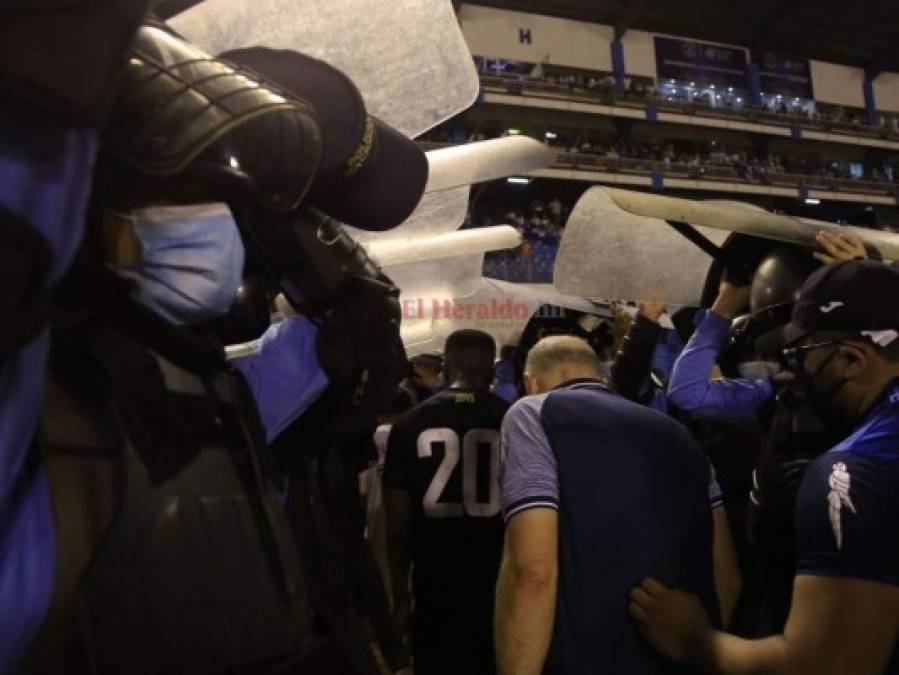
x,y
531,383
855,358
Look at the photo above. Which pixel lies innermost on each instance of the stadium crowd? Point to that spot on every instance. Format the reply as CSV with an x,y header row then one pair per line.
x,y
696,155
690,96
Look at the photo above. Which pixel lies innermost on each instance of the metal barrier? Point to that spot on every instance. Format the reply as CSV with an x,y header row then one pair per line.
x,y
710,171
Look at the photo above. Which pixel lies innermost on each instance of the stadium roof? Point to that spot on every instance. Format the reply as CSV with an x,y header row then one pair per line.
x,y
862,34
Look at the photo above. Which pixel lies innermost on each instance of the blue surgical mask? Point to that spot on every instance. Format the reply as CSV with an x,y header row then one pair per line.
x,y
191,263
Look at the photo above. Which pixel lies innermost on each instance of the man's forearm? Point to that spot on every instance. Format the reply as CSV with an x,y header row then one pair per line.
x,y
724,654
525,612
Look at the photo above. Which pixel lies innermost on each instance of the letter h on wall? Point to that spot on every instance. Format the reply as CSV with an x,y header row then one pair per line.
x,y
524,35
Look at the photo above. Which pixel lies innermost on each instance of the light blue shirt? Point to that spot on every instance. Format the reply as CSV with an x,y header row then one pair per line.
x,y
283,373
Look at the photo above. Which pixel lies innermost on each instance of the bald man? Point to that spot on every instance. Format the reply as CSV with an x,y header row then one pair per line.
x,y
595,491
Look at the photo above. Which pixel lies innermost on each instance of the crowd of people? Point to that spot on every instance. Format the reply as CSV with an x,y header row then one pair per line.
x,y
708,96
540,223
751,166
585,492
748,165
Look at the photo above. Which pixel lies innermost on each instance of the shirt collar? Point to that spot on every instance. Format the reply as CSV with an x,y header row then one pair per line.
x,y
579,381
889,398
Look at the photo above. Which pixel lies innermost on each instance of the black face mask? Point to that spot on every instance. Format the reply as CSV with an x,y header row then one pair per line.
x,y
820,398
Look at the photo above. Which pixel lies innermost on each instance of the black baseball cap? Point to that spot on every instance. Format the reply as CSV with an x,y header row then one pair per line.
x,y
859,296
371,176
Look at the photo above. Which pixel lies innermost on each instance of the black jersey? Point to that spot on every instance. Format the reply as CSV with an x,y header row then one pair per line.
x,y
446,453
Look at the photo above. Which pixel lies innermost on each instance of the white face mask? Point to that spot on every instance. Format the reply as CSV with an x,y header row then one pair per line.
x,y
758,370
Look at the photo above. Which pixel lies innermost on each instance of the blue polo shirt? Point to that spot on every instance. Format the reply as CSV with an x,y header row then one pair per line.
x,y
632,490
847,513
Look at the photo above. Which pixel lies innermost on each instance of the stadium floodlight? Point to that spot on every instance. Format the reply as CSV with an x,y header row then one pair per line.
x,y
518,180
513,132
812,201
551,135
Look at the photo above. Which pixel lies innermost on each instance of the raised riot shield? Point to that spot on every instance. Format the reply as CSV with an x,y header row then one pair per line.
x,y
407,57
619,243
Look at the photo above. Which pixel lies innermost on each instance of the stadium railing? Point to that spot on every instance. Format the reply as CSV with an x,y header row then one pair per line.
x,y
706,170
518,84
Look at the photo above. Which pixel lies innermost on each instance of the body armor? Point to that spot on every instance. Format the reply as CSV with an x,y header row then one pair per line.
x,y
187,127
173,552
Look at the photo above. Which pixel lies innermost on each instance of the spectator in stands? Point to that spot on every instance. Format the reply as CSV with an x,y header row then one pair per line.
x,y
563,578
555,210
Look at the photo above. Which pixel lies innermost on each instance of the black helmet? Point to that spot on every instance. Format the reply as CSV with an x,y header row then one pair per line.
x,y
780,275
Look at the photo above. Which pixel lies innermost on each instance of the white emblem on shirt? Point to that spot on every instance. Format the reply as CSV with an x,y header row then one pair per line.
x,y
830,306
837,498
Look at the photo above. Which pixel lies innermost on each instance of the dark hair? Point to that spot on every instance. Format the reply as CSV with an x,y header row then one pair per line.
x,y
470,339
471,352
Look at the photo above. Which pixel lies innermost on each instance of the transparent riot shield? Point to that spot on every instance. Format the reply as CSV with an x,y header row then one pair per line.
x,y
407,57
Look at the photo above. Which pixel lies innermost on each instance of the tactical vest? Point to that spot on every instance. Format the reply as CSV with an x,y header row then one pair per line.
x,y
173,552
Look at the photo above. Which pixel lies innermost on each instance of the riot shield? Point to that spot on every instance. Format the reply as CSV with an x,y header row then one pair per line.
x,y
407,57
607,252
757,222
618,245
